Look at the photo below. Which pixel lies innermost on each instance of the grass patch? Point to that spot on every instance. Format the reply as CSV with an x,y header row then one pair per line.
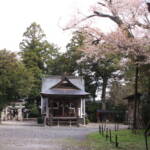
x,y
127,141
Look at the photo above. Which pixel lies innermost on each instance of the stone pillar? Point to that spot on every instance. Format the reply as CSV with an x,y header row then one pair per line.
x,y
20,115
3,115
81,108
6,113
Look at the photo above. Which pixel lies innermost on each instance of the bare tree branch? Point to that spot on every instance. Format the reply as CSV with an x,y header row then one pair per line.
x,y
82,20
143,25
117,20
101,4
113,18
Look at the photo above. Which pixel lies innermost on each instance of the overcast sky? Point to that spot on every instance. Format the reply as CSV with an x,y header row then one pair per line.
x,y
17,15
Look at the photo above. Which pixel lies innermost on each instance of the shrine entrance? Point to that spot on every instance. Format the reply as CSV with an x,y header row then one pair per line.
x,y
63,107
63,110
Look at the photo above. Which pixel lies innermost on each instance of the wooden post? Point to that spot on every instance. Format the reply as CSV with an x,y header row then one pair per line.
x,y
99,129
146,142
105,124
116,141
110,135
107,134
102,130
145,134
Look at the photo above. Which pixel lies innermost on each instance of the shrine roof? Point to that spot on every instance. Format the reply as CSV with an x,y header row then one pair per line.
x,y
132,96
65,92
63,85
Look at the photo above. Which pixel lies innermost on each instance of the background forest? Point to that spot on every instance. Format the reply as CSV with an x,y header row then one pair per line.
x,y
114,65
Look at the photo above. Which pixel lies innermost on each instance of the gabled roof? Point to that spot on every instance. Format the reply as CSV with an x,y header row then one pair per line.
x,y
131,97
66,85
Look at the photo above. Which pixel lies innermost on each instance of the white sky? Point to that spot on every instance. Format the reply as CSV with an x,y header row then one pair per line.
x,y
17,15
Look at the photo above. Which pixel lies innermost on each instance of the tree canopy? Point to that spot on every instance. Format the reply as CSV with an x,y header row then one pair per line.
x,y
15,80
37,54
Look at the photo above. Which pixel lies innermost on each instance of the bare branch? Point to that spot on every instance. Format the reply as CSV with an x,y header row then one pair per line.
x,y
102,4
80,21
143,25
113,18
109,1
118,21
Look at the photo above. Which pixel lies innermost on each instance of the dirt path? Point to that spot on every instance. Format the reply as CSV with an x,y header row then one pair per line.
x,y
25,136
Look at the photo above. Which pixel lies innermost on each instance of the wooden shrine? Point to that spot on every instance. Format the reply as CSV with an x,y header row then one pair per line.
x,y
63,100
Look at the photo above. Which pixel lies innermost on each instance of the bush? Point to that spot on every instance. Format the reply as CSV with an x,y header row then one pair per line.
x,y
91,109
87,120
33,111
40,120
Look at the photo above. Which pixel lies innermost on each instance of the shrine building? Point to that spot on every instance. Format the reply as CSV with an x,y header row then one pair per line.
x,y
63,100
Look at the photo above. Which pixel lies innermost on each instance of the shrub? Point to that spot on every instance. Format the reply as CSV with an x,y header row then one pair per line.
x,y
40,120
91,108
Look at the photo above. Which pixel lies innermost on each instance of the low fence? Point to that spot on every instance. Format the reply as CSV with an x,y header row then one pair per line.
x,y
107,133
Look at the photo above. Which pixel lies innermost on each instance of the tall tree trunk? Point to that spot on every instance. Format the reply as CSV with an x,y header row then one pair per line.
x,y
103,96
136,97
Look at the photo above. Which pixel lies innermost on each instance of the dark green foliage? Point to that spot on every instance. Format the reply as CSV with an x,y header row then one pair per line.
x,y
98,72
120,113
144,78
40,120
37,54
67,62
91,109
15,80
33,110
146,108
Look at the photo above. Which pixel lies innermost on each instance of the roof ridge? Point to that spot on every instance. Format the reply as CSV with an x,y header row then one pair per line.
x,y
60,76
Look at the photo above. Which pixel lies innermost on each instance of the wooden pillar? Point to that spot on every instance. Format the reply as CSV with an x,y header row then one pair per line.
x,y
51,113
63,109
83,111
47,108
78,108
43,106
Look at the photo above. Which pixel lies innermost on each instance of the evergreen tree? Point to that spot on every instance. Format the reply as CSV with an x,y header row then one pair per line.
x,y
15,80
67,62
37,54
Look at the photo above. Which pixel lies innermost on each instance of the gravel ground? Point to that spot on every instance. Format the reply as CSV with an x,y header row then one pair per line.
x,y
29,136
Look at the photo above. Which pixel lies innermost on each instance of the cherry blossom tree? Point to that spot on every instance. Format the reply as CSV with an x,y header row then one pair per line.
x,y
135,50
132,37
131,16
